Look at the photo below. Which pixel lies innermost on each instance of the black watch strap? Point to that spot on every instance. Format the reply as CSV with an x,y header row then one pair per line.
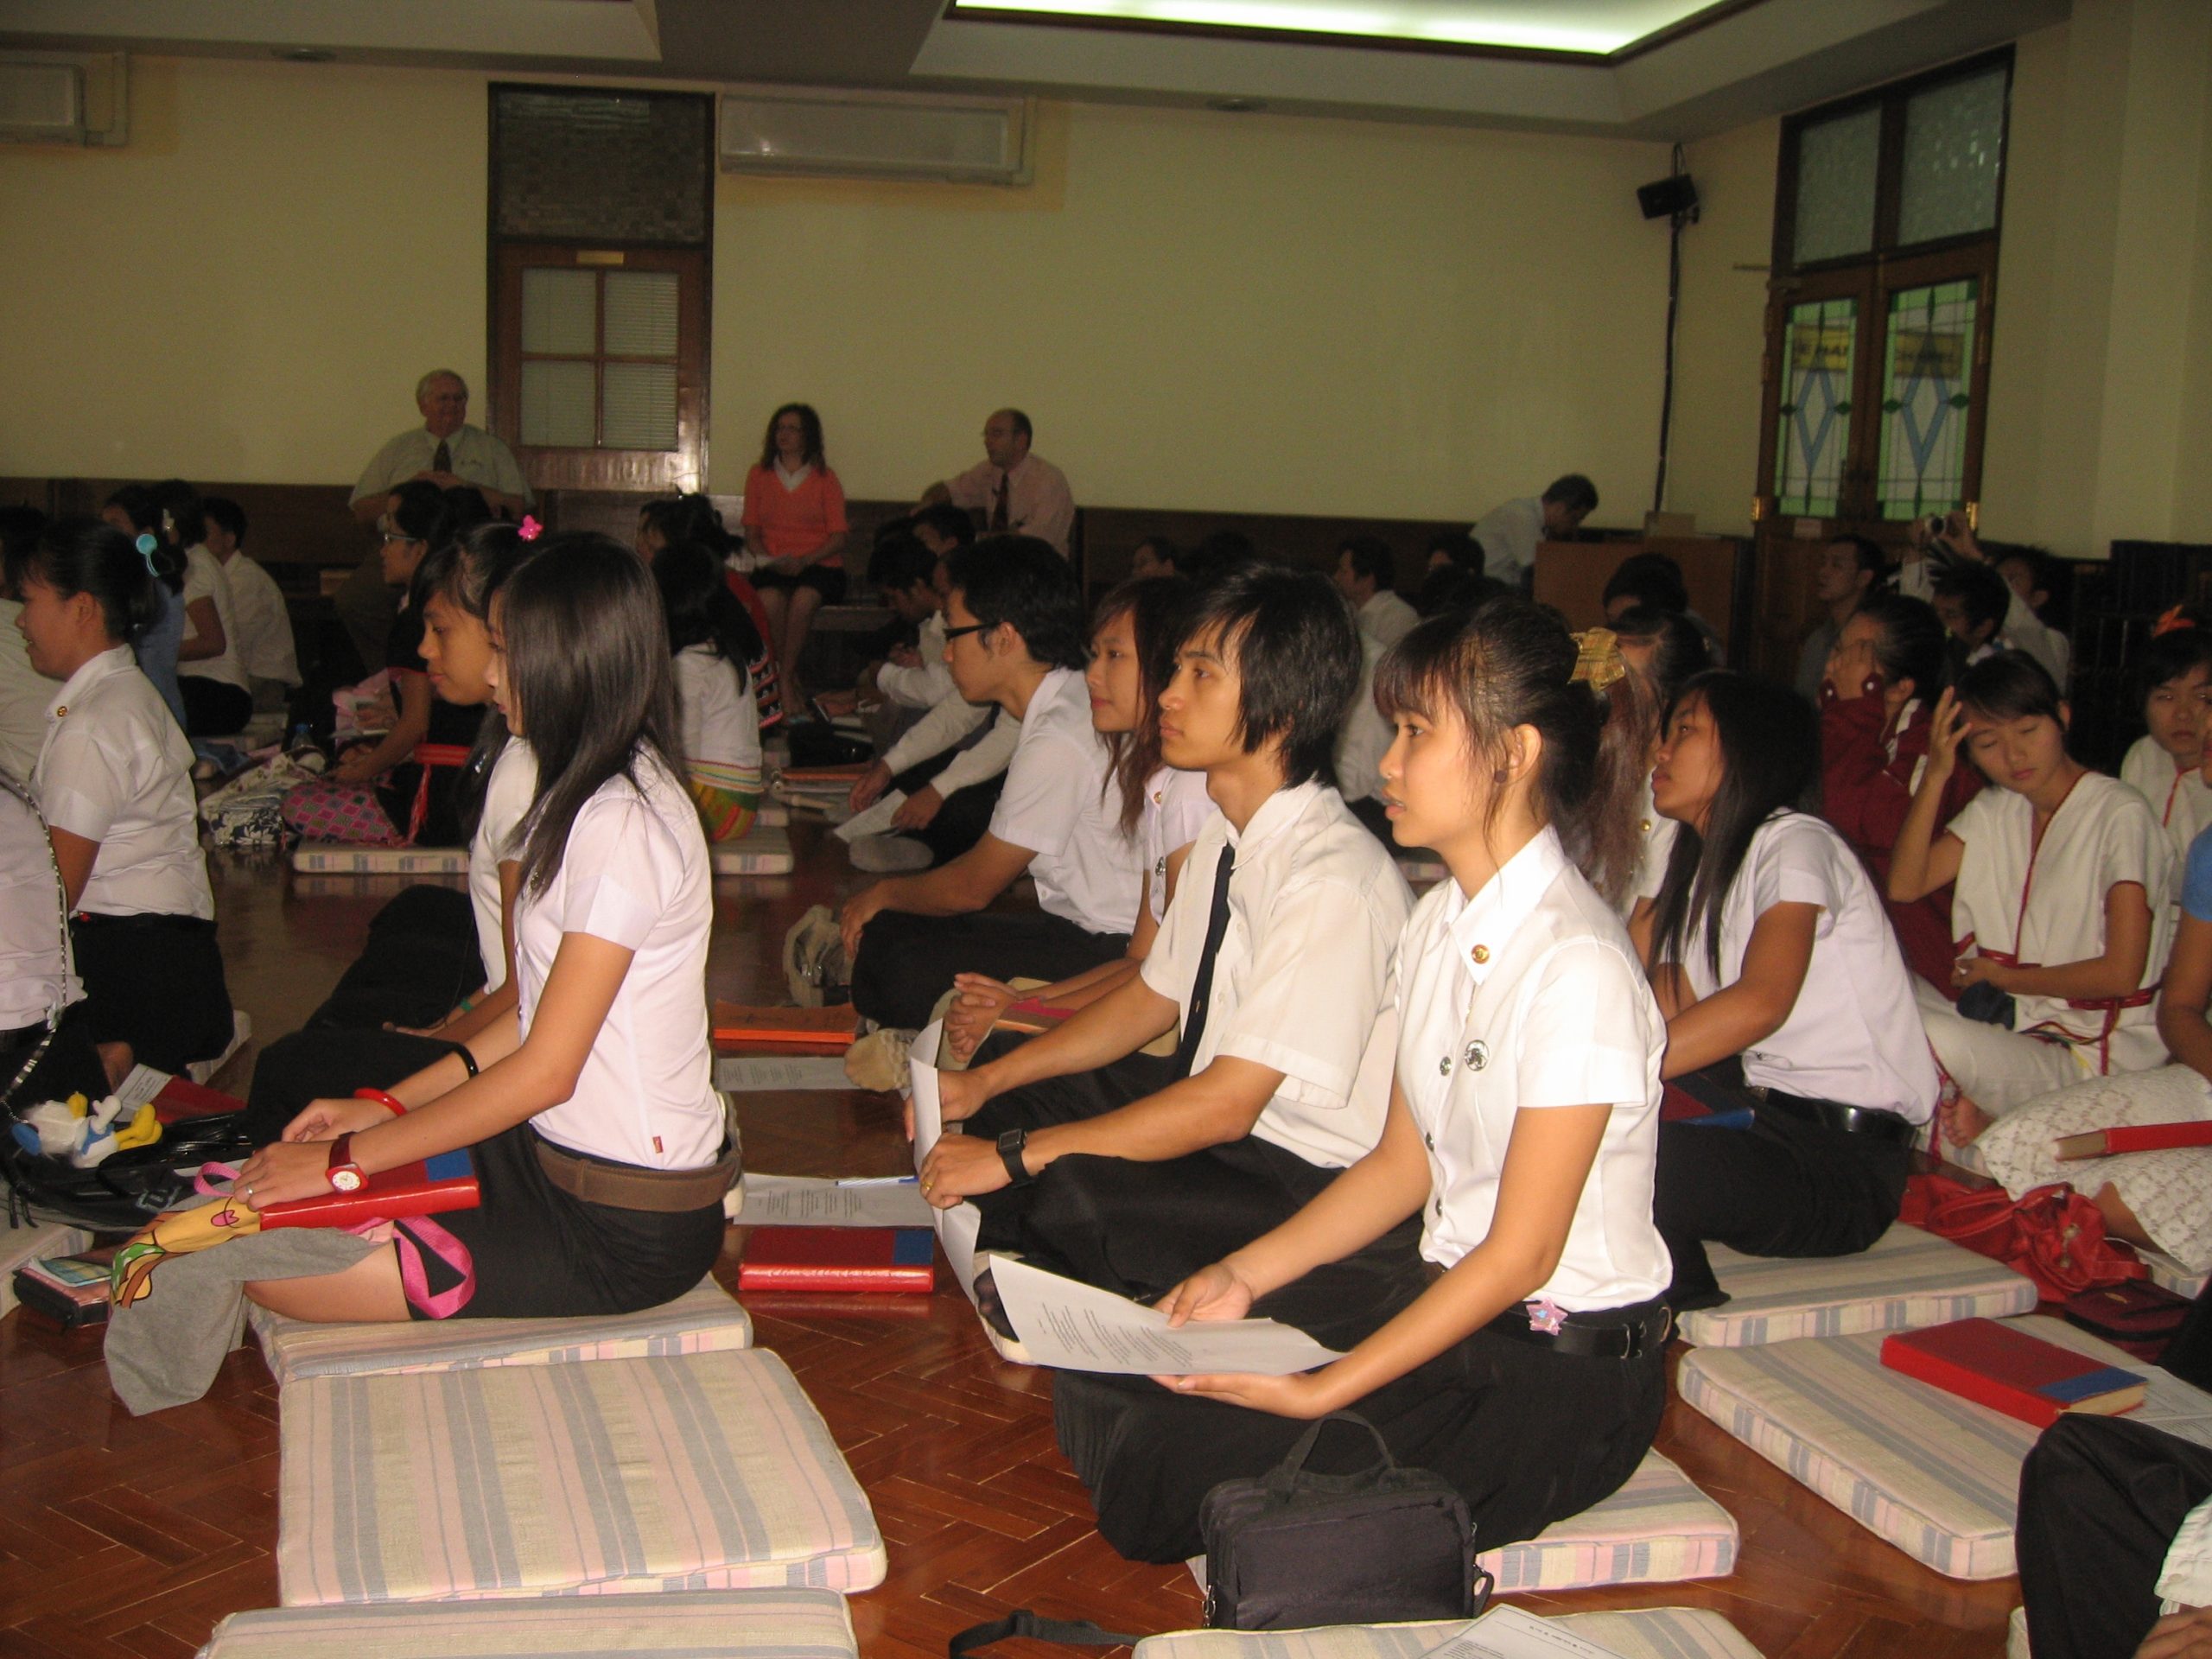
x,y
1010,1145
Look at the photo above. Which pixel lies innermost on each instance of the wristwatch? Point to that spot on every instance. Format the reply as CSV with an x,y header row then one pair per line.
x,y
1010,1146
342,1173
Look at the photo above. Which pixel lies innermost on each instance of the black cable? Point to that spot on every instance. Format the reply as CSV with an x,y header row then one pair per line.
x,y
1674,305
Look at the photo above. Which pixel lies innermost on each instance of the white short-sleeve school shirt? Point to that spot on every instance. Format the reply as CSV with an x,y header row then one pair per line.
x,y
1061,805
634,873
203,578
1365,737
2040,904
265,624
1303,981
930,682
715,708
115,769
2179,795
1386,618
1655,845
35,976
507,795
1529,996
1176,807
1854,1036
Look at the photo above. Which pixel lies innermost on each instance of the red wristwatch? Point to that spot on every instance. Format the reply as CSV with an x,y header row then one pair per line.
x,y
342,1173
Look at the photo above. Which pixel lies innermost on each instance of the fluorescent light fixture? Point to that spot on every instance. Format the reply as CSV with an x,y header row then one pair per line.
x,y
1592,27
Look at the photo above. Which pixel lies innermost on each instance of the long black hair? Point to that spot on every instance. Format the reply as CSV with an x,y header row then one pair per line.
x,y
588,665
1770,745
1511,664
1153,606
1913,643
467,574
139,503
810,427
84,555
701,609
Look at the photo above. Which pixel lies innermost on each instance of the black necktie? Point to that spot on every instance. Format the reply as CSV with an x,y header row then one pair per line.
x,y
442,462
1194,1022
998,510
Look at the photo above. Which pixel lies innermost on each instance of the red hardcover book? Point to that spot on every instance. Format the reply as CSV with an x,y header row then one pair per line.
x,y
815,1031
1033,1016
2133,1137
2010,1372
900,1259
445,1182
174,1098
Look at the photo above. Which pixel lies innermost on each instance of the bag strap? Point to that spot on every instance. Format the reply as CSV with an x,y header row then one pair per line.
x,y
1287,1476
1079,1632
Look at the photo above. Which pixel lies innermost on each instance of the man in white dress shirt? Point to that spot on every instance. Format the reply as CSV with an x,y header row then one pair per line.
x,y
1367,575
1016,492
1509,534
1274,963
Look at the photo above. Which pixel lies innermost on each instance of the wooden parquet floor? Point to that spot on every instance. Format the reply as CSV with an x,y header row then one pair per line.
x,y
122,1536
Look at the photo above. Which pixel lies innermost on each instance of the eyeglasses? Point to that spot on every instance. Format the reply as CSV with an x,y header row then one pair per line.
x,y
951,634
387,533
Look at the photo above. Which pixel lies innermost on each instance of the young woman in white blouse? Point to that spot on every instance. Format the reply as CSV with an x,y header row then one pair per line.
x,y
720,719
1163,808
364,1034
601,1147
114,780
1526,1365
2062,912
1789,1011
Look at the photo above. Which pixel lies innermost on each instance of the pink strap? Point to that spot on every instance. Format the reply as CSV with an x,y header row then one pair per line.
x,y
207,1188
417,1234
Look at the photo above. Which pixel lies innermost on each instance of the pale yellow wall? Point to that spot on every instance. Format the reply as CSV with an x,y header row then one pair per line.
x,y
249,290
1721,335
1201,310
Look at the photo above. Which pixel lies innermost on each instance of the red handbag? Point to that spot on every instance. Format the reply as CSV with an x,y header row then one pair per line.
x,y
2053,1235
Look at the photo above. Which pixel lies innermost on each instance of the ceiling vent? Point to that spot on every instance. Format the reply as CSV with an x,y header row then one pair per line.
x,y
855,135
61,98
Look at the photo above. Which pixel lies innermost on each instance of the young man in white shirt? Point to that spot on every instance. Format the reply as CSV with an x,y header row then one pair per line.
x,y
1275,961
1509,535
264,643
1367,575
1014,636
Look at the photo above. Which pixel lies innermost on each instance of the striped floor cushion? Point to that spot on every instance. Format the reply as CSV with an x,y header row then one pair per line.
x,y
1906,1280
2170,1275
339,858
36,1241
691,1625
2016,1635
1658,1529
704,1320
1932,1473
692,1471
761,852
1651,1633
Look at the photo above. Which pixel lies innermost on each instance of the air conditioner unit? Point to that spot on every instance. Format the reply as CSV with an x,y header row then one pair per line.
x,y
62,97
835,133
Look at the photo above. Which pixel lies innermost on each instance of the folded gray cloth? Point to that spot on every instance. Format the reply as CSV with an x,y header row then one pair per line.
x,y
165,1349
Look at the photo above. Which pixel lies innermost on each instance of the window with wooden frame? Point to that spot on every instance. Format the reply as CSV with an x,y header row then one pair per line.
x,y
1876,373
601,207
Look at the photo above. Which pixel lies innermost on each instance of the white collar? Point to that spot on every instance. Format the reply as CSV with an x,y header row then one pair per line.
x,y
1276,814
792,480
115,660
1485,923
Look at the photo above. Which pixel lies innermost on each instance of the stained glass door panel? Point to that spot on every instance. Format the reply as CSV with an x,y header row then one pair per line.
x,y
1926,381
1812,440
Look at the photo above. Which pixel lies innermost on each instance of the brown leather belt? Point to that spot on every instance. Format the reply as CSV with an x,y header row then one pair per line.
x,y
625,1186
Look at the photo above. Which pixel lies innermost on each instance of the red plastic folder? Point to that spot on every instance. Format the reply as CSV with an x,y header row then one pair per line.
x,y
902,1260
2133,1137
2010,1372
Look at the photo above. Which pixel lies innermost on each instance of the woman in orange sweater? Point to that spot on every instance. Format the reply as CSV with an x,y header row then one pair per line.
x,y
795,526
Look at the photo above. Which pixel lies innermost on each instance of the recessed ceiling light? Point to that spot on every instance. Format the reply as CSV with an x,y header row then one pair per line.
x,y
304,54
1236,105
1594,28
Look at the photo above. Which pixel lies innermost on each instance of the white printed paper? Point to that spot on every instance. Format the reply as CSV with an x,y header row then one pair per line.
x,y
804,1201
1508,1633
1078,1327
140,1086
739,1074
957,1227
872,820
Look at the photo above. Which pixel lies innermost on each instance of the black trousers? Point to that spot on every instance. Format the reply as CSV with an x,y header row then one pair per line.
x,y
966,814
1526,1435
1134,1229
213,707
1784,1186
70,1064
907,961
154,982
2101,1500
329,1064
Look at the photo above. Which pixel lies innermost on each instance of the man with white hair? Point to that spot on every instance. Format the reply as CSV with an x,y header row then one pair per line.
x,y
446,451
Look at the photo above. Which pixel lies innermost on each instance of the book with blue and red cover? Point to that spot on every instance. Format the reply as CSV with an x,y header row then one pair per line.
x,y
2009,1371
445,1182
874,1259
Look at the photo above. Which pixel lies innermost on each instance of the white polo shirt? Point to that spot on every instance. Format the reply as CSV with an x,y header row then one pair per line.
x,y
115,769
203,578
1527,996
634,873
720,719
507,795
1176,807
1060,804
1854,1035
35,973
1303,983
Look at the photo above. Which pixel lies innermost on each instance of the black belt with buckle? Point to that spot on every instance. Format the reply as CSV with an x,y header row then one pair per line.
x,y
1835,1115
1609,1333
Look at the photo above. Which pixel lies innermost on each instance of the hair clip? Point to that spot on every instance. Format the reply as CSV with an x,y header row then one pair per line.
x,y
2173,621
531,529
147,546
1598,661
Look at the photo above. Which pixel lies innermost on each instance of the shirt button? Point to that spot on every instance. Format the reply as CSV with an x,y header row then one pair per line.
x,y
1481,953
1429,1139
1444,1066
1477,1055
1644,826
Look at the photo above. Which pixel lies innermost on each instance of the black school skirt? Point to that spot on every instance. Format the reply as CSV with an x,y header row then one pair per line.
x,y
539,1253
154,982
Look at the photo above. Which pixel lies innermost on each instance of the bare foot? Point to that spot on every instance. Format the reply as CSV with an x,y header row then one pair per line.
x,y
1963,1120
116,1059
